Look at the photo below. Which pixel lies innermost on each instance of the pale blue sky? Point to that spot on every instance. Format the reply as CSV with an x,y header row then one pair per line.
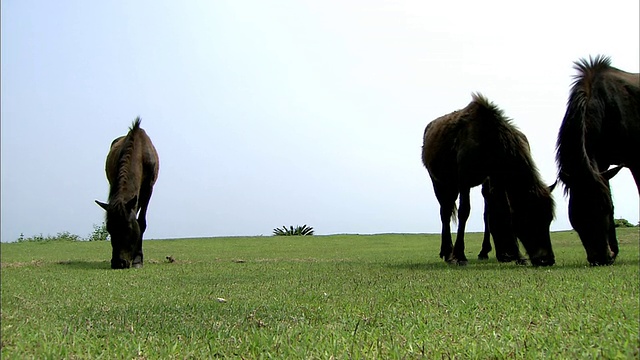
x,y
282,112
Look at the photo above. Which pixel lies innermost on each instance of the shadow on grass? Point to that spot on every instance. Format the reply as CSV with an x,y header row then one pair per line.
x,y
473,265
585,264
85,265
492,264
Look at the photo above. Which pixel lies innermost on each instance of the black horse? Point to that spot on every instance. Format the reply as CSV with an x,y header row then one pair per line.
x,y
504,237
132,170
508,254
464,148
601,127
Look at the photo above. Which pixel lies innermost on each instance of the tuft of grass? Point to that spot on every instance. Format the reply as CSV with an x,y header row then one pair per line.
x,y
347,296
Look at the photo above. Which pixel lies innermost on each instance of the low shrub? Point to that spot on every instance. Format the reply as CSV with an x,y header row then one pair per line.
x,y
622,223
99,234
303,230
61,236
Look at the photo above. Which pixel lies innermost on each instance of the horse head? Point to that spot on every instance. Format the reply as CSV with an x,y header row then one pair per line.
x,y
591,215
125,233
532,228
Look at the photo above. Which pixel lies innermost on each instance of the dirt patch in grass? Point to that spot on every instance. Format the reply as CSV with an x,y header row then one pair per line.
x,y
36,262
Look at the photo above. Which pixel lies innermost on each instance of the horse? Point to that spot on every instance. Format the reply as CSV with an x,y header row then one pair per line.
x,y
460,151
601,127
506,241
513,253
132,169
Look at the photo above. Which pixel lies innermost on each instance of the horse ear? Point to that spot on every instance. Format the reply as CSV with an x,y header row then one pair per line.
x,y
102,205
609,174
131,204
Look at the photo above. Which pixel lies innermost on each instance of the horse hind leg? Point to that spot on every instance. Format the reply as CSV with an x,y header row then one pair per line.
x,y
463,216
446,244
447,209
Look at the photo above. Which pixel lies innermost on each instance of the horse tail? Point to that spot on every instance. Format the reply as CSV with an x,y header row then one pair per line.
x,y
454,214
135,125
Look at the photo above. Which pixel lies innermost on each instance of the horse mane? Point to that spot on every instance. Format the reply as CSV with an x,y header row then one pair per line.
x,y
124,160
488,105
571,149
504,131
514,147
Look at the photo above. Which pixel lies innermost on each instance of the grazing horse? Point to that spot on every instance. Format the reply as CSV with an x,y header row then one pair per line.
x,y
132,170
464,148
601,127
507,249
486,241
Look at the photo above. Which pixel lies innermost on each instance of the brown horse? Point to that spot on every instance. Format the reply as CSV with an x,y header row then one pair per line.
x,y
464,148
601,127
132,170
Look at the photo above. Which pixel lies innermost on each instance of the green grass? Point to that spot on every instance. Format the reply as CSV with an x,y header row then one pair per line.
x,y
320,297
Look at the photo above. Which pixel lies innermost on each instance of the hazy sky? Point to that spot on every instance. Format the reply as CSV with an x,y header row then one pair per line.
x,y
271,113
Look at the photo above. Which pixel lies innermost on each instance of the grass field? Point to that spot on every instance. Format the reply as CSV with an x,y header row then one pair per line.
x,y
320,297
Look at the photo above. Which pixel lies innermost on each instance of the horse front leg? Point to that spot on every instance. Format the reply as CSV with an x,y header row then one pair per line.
x,y
486,240
613,238
501,225
463,216
145,196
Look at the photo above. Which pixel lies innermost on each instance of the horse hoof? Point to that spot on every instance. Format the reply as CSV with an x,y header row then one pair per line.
x,y
505,258
543,262
606,263
137,266
483,257
454,261
522,262
451,261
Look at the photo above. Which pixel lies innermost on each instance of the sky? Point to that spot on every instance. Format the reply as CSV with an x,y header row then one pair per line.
x,y
272,113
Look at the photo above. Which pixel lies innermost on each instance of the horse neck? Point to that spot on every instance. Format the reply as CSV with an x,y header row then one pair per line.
x,y
521,181
118,212
582,128
123,191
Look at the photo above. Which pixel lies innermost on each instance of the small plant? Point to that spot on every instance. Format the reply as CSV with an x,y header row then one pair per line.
x,y
67,236
61,236
622,223
303,230
99,233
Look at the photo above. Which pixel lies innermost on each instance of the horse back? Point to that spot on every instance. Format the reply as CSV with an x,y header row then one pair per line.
x,y
131,163
149,157
454,150
618,100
